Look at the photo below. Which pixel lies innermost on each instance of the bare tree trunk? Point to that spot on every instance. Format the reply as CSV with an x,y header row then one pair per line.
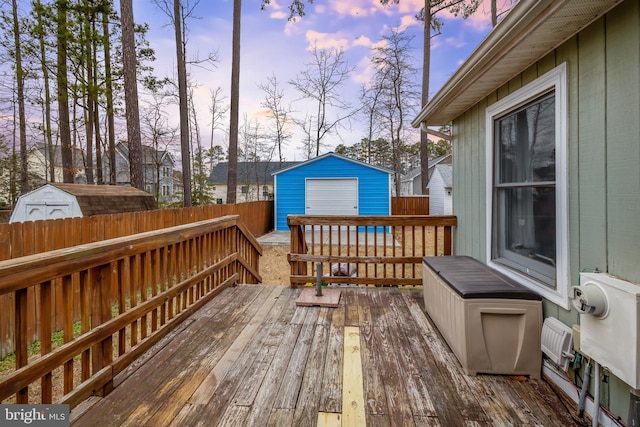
x,y
185,149
63,93
494,13
232,177
89,99
49,147
109,96
426,59
96,113
131,95
22,123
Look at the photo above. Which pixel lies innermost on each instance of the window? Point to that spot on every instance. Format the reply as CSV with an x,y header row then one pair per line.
x,y
244,189
265,190
527,222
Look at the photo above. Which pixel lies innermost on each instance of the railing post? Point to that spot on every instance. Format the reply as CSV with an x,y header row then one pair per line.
x,y
20,332
102,353
298,245
448,239
319,279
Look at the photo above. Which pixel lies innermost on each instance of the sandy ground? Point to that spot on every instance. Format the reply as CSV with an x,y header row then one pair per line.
x,y
274,267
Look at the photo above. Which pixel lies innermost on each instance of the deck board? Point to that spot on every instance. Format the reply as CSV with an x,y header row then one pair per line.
x,y
251,357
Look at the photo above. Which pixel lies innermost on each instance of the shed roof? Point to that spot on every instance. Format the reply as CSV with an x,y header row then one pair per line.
x,y
332,154
107,199
248,172
446,172
528,32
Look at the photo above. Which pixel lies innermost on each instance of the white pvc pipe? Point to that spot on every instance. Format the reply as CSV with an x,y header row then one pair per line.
x,y
596,395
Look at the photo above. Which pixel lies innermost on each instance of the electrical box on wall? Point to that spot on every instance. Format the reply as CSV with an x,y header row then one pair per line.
x,y
611,336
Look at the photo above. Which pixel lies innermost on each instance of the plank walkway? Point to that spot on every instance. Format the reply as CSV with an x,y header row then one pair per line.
x,y
252,358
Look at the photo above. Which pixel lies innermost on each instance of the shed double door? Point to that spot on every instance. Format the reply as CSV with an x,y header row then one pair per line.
x,y
46,210
331,196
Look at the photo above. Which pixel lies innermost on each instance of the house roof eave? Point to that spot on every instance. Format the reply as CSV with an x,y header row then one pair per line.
x,y
532,29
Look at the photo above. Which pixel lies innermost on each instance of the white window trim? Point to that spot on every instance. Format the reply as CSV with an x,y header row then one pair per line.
x,y
555,79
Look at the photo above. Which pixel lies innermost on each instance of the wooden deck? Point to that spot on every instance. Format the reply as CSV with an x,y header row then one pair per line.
x,y
251,357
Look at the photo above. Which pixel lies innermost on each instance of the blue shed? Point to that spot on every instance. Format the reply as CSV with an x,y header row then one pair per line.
x,y
331,184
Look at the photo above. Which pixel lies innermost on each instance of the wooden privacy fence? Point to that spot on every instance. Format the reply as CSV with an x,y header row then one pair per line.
x,y
32,237
366,250
112,301
410,205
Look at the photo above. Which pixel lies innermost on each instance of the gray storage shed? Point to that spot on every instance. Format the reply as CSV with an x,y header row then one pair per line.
x,y
57,200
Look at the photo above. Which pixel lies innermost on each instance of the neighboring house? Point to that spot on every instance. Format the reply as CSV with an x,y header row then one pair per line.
x,y
255,180
5,184
440,190
158,171
178,185
546,169
57,200
331,184
411,182
38,161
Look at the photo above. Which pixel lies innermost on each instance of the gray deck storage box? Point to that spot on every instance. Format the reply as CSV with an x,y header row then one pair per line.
x,y
492,324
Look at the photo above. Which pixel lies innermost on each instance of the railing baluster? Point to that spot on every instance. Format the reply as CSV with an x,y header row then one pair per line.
x,y
46,320
134,270
21,327
122,274
410,237
85,316
154,273
67,321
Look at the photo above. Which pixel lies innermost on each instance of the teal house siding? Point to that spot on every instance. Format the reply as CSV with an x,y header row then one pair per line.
x,y
602,63
374,188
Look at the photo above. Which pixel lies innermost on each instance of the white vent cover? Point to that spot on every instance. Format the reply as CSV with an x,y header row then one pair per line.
x,y
557,339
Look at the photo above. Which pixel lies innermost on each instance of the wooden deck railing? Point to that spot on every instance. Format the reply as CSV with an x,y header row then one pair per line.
x,y
372,250
101,305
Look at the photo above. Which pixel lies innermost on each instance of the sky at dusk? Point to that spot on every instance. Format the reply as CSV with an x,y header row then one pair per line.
x,y
273,45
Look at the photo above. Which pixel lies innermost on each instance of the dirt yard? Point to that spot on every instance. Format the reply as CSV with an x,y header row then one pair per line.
x,y
274,267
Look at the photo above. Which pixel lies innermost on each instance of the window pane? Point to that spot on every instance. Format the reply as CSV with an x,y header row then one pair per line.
x,y
529,223
526,143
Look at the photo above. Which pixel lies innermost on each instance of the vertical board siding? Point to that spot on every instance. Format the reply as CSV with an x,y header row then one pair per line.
x,y
622,144
373,187
603,84
603,64
591,162
436,193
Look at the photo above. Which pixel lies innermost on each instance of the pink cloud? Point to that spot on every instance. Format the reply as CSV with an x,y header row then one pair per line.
x,y
327,40
280,14
364,71
362,41
409,21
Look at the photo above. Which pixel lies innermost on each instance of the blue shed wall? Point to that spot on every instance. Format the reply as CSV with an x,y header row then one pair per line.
x,y
373,187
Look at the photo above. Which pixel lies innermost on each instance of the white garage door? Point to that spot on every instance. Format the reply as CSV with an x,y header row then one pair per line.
x,y
332,196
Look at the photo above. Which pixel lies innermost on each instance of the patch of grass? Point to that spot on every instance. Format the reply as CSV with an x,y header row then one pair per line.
x,y
8,364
